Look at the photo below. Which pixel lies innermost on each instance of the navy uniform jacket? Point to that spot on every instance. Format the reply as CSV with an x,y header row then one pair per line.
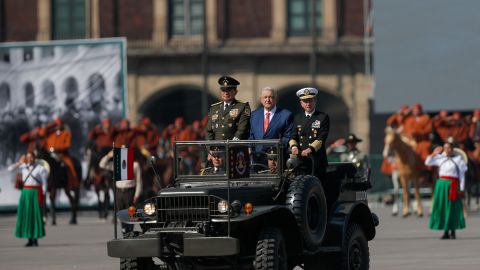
x,y
227,124
312,133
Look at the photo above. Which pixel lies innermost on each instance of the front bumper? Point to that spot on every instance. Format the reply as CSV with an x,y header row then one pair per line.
x,y
193,246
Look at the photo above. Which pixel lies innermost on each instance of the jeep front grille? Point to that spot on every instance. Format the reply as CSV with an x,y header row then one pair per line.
x,y
194,208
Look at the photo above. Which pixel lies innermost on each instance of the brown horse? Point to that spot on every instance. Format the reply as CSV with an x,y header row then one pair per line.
x,y
58,178
407,163
101,180
472,176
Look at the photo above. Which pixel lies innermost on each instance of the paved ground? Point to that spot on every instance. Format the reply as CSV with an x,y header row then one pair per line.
x,y
400,244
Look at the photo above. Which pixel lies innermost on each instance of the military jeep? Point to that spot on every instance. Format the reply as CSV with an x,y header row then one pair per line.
x,y
260,211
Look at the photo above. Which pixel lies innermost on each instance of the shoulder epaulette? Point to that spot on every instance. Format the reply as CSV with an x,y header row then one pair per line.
x,y
216,103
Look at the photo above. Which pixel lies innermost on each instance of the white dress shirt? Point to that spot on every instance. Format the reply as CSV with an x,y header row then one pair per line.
x,y
309,114
447,166
272,112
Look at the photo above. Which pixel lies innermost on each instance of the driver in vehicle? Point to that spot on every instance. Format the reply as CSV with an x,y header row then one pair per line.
x,y
271,161
216,157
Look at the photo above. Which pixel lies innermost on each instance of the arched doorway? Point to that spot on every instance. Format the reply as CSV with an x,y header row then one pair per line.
x,y
29,95
182,100
4,95
328,103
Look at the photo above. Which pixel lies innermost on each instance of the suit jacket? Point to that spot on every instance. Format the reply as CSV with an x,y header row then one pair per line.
x,y
227,124
280,127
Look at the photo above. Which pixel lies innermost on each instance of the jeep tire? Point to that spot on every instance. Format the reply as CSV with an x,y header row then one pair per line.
x,y
135,263
271,251
355,253
306,199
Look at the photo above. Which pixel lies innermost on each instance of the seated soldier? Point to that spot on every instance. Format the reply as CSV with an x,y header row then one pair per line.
x,y
216,156
271,161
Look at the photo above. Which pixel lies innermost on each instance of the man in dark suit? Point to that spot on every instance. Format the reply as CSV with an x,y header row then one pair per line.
x,y
310,132
270,121
228,119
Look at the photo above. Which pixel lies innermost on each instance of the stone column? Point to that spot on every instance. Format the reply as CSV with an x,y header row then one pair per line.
x,y
279,21
95,19
211,10
364,89
160,22
44,18
329,32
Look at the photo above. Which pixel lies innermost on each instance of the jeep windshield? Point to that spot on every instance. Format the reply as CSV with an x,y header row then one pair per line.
x,y
213,161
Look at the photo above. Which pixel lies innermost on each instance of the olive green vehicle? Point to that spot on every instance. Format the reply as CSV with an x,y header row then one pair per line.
x,y
262,211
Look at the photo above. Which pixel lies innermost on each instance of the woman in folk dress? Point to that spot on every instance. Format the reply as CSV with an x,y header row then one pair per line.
x,y
447,209
30,223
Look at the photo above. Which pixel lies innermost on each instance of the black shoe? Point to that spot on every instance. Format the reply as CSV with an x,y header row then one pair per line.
x,y
35,242
29,243
452,234
445,235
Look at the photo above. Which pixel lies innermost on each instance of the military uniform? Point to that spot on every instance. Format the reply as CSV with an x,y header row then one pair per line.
x,y
311,132
355,156
212,171
228,122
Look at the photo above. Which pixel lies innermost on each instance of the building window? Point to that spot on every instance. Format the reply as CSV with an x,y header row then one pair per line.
x,y
299,17
186,17
27,54
68,19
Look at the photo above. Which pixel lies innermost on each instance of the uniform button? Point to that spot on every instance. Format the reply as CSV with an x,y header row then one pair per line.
x,y
301,137
309,137
223,126
223,135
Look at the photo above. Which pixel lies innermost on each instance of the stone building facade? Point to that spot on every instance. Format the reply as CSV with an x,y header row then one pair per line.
x,y
173,69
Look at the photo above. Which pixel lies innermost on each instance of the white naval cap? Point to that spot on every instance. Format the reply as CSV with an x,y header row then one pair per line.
x,y
307,92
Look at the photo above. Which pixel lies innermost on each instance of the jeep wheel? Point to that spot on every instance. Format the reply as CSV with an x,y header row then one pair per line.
x,y
135,263
271,252
355,254
306,200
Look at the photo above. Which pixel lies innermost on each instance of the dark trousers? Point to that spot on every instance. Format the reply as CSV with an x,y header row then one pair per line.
x,y
123,201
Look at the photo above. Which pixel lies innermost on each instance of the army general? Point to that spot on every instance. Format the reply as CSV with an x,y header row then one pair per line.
x,y
228,119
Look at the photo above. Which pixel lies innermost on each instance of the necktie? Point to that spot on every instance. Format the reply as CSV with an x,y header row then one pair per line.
x,y
266,121
308,116
225,107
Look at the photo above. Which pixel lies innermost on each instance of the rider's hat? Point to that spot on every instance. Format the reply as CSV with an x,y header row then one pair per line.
x,y
352,138
307,92
227,83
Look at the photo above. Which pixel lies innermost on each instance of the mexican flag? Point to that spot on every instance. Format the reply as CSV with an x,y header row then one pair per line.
x,y
123,164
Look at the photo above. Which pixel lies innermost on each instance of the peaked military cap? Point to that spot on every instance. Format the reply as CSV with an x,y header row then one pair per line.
x,y
307,92
353,139
217,150
227,82
271,153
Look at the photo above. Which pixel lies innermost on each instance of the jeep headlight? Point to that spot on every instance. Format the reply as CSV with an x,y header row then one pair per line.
x,y
149,209
222,206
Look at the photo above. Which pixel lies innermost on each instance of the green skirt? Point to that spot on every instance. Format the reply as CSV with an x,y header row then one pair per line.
x,y
446,215
29,216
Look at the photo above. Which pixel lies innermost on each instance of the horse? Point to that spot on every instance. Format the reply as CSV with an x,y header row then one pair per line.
x,y
58,178
472,177
407,163
101,179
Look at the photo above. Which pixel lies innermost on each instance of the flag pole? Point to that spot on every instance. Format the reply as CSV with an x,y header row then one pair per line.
x,y
114,194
